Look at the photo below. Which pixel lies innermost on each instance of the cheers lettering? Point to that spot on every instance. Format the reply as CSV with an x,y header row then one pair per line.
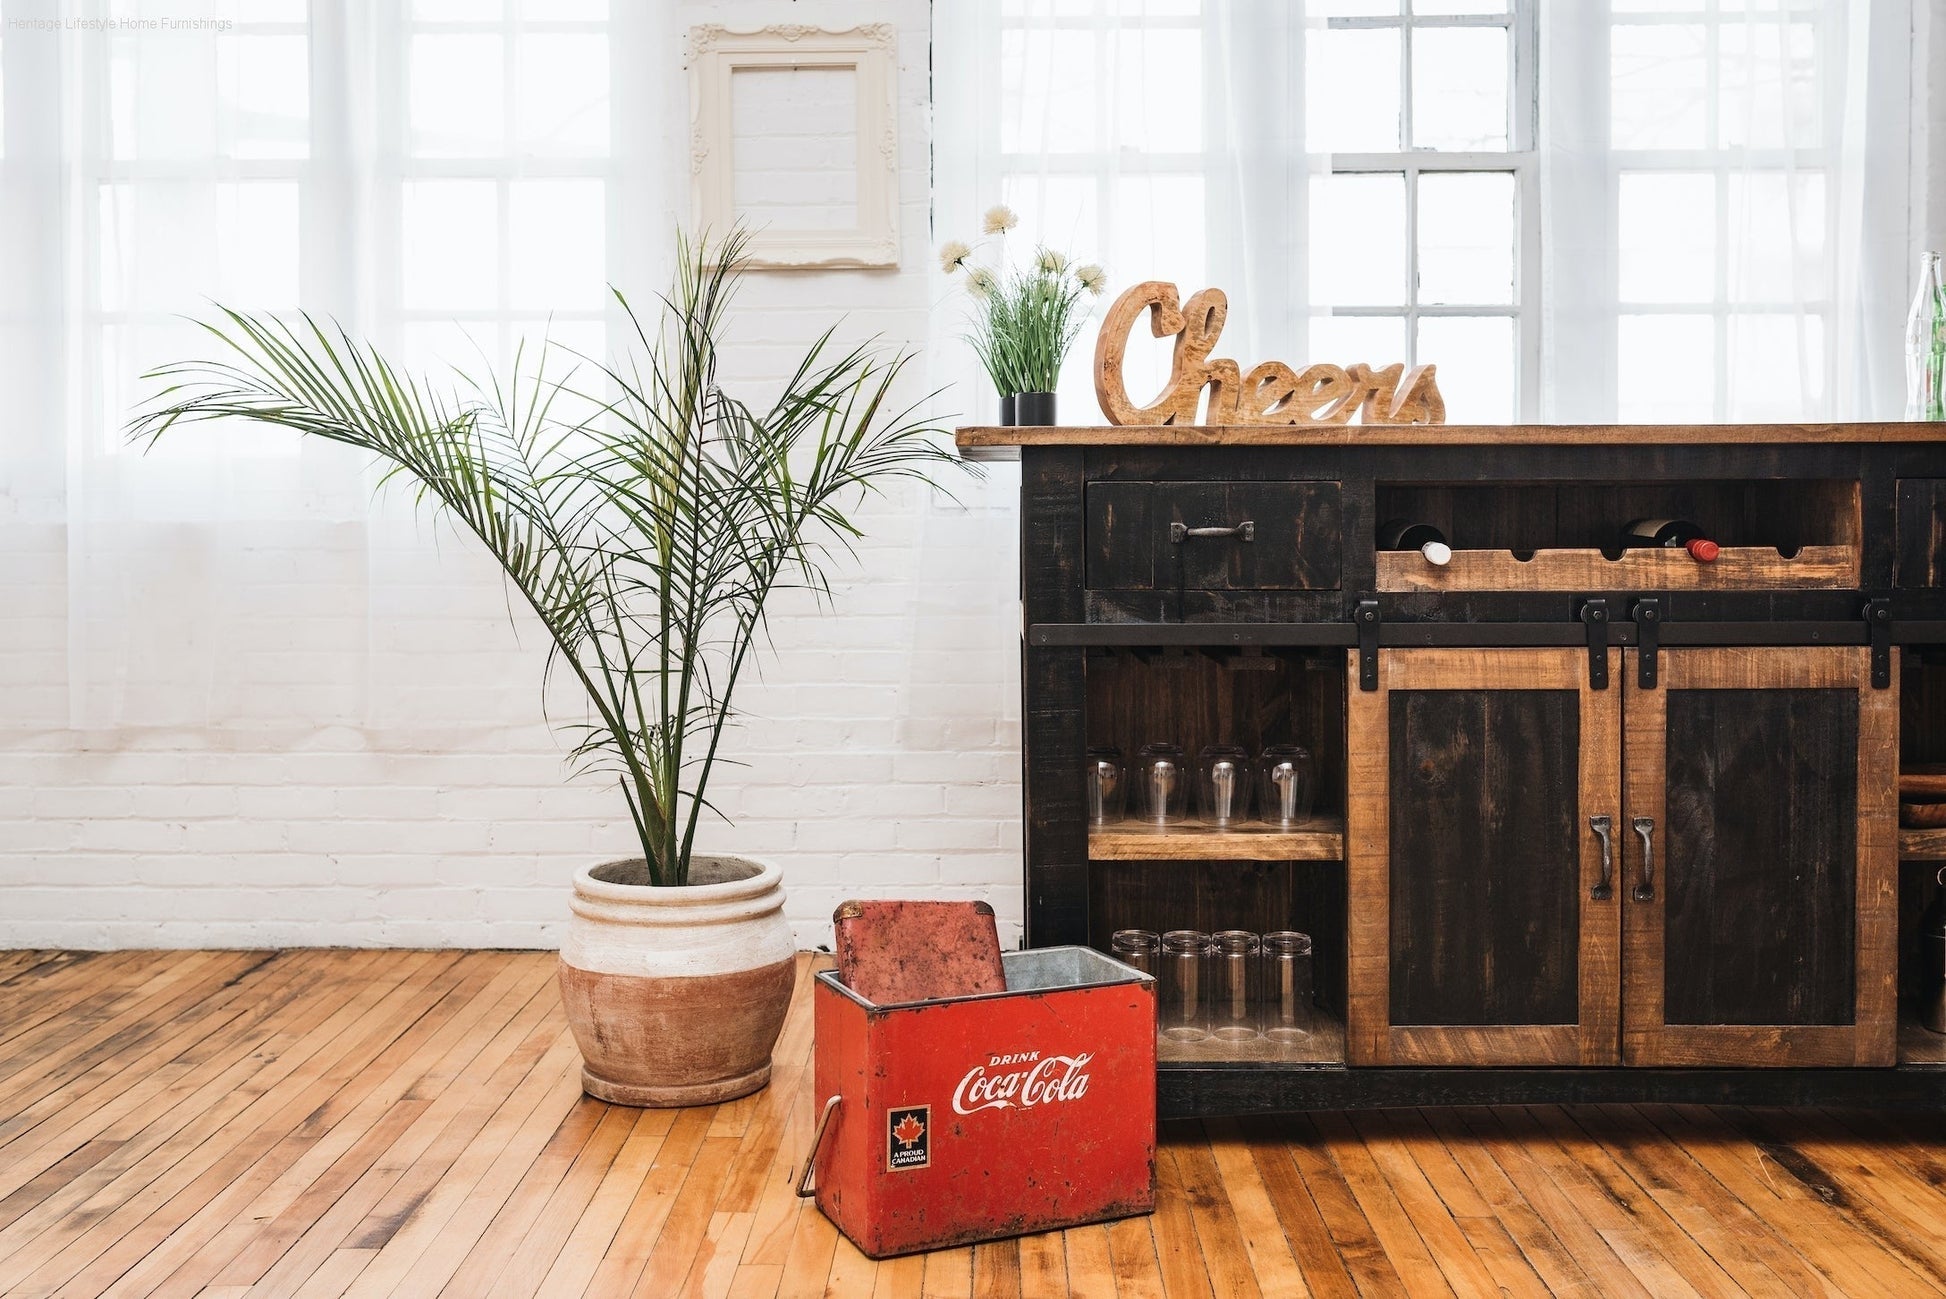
x,y
1271,393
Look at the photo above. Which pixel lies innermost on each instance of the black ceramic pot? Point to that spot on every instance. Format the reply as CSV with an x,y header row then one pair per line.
x,y
1034,408
1008,416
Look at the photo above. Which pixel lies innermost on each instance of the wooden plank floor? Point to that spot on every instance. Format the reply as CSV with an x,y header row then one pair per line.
x,y
317,1123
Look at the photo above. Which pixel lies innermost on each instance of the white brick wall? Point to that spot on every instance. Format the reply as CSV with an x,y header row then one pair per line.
x,y
881,740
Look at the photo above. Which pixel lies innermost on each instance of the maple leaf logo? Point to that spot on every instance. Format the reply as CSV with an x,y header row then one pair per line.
x,y
909,1130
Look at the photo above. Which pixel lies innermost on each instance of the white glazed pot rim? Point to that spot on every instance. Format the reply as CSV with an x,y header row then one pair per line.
x,y
768,878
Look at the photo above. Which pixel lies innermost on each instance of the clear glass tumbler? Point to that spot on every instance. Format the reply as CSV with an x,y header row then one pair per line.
x,y
1287,986
1184,1008
1107,786
1136,947
1223,784
1162,787
1235,953
1284,784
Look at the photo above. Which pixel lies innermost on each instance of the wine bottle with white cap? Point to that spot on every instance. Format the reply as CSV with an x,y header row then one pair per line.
x,y
1407,534
1671,534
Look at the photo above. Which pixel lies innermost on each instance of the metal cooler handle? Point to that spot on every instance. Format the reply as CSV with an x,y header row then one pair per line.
x,y
805,1190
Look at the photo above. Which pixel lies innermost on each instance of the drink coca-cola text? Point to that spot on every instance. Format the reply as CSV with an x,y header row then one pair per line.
x,y
1037,1080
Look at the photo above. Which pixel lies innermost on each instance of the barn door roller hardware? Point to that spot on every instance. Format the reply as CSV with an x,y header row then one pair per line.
x,y
1878,634
1594,613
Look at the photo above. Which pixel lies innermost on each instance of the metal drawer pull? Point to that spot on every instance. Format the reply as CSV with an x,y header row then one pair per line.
x,y
1245,531
1602,826
1645,826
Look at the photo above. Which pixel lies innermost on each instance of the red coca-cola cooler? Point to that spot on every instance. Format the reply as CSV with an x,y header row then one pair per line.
x,y
973,1118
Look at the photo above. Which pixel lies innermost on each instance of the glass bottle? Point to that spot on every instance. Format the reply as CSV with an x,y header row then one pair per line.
x,y
1925,345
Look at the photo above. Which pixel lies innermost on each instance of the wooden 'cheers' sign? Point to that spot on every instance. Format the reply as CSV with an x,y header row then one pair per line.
x,y
1272,393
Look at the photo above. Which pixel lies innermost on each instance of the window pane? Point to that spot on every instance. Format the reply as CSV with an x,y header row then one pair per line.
x,y
561,94
1459,88
450,250
557,234
1466,237
803,175
1343,340
1665,369
1351,101
1769,97
1158,230
265,101
167,246
1660,89
1166,122
1667,237
1776,237
1047,84
1358,240
458,96
1776,367
1424,7
1058,211
1475,356
458,11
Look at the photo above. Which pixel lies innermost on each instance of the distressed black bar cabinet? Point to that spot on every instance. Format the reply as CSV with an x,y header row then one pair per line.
x,y
1592,824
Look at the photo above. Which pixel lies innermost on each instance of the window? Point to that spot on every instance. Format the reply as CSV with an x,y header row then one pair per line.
x,y
1629,211
1716,111
503,196
1418,248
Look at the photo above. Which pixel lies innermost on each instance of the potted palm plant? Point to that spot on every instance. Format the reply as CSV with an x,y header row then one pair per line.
x,y
646,517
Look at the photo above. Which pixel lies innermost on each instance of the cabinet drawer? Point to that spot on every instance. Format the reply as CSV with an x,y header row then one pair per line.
x,y
1139,536
1921,557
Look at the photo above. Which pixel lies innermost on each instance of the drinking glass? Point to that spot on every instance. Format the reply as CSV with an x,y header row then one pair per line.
x,y
1234,1017
1107,790
1184,1013
1136,947
1284,784
1287,986
1162,788
1223,783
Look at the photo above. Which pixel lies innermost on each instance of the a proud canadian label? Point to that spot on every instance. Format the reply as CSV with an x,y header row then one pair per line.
x,y
908,1137
1022,1080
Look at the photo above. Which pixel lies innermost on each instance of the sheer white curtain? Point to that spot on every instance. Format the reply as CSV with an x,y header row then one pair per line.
x,y
1162,139
397,167
1640,210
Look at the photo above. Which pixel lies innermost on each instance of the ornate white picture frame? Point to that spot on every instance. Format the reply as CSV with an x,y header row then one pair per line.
x,y
716,54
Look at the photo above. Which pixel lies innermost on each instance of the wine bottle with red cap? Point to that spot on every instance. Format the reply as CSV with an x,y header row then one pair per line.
x,y
1407,534
1671,534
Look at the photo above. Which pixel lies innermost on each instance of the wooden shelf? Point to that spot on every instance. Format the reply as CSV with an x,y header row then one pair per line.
x,y
1922,845
1322,838
1325,1045
1735,568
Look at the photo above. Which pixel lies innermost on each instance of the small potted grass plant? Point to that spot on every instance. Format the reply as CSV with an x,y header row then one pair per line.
x,y
1023,321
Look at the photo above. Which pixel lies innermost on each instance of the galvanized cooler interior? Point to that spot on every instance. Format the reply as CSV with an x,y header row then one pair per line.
x,y
1040,969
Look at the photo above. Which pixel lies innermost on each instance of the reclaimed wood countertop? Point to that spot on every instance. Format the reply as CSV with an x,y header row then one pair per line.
x,y
997,443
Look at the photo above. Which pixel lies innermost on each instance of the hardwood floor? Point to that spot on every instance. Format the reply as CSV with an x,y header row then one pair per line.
x,y
318,1123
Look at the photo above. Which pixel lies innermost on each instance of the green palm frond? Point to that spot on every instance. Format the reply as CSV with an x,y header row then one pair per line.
x,y
647,530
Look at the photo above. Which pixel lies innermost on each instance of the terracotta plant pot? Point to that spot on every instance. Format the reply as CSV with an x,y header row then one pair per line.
x,y
676,995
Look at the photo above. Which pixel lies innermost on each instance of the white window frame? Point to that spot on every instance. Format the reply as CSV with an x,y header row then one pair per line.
x,y
1520,158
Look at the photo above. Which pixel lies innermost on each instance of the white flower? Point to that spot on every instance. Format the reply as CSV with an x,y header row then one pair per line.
x,y
999,219
1092,278
980,282
953,254
1050,261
